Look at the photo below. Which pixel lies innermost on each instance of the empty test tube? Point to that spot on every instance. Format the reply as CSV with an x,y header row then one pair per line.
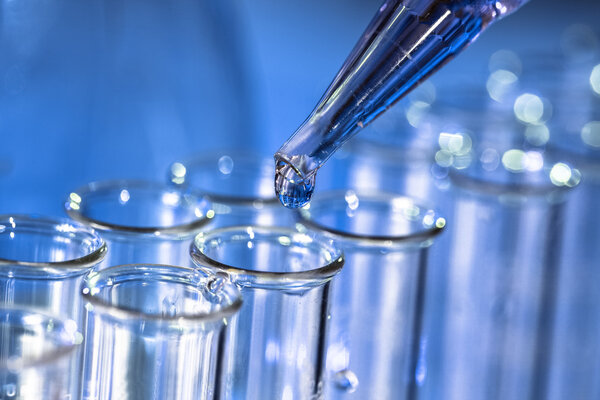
x,y
502,281
155,332
142,222
36,354
277,340
42,264
238,183
374,349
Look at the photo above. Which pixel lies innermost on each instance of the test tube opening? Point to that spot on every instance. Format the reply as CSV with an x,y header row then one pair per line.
x,y
267,257
139,207
228,176
147,294
32,246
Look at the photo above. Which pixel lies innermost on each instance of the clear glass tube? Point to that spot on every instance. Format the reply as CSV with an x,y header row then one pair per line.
x,y
36,355
378,299
238,183
142,222
42,264
155,332
575,133
404,44
503,276
277,341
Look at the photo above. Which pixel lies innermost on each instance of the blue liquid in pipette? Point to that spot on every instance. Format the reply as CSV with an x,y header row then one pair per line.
x,y
405,43
294,191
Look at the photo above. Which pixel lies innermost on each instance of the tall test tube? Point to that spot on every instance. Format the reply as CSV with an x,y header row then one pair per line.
x,y
36,352
239,185
42,264
502,276
155,332
277,347
142,222
378,299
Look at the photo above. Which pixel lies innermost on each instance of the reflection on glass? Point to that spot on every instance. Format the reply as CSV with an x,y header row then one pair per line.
x,y
37,352
277,342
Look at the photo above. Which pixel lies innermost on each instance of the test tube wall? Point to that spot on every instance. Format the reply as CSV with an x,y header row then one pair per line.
x,y
500,303
155,332
277,343
37,352
42,264
378,301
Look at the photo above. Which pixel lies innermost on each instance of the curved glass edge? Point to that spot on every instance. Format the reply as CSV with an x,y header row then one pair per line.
x,y
29,316
231,300
182,231
285,281
178,171
383,243
51,269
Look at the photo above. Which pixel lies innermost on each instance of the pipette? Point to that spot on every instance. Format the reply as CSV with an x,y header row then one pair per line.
x,y
405,43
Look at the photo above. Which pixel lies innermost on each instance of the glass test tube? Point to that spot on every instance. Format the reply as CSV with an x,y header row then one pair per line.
x,y
238,183
277,341
378,299
42,264
155,332
142,222
503,276
36,352
577,328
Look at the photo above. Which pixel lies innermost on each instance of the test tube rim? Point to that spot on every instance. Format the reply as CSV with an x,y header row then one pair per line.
x,y
421,239
251,278
180,231
57,269
465,179
208,160
125,314
47,358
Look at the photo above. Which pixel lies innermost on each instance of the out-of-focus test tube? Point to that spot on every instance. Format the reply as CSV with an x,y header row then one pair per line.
x,y
238,183
142,222
503,276
374,350
42,264
155,332
577,349
36,355
277,347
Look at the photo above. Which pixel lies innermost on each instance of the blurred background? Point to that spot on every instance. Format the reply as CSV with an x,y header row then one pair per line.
x,y
504,141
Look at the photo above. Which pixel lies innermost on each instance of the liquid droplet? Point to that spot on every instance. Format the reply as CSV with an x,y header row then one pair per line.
x,y
346,380
293,190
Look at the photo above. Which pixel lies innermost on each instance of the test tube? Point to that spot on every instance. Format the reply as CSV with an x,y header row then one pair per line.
x,y
142,222
378,299
238,183
155,332
278,338
36,352
42,264
502,281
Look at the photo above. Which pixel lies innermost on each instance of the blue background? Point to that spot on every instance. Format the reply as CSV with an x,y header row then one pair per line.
x,y
96,90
